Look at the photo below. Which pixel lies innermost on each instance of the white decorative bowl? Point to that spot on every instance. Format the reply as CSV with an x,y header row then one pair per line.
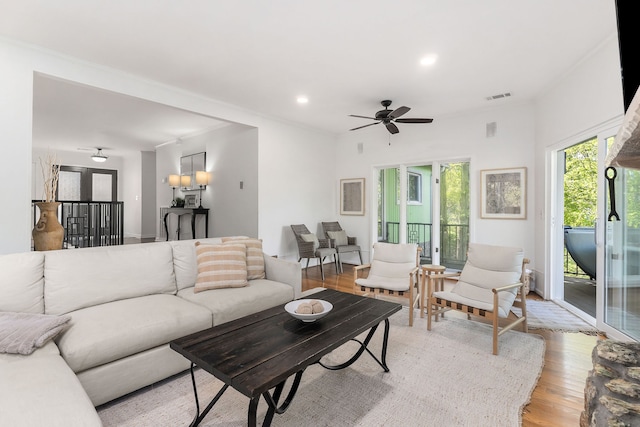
x,y
292,306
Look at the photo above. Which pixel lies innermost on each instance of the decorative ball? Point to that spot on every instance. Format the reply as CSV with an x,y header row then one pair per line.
x,y
316,306
304,308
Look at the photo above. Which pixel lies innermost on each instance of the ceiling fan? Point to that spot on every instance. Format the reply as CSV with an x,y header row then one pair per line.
x,y
388,117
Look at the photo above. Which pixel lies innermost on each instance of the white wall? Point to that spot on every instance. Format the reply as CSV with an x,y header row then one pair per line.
x,y
131,194
148,205
448,138
296,175
232,157
167,163
16,105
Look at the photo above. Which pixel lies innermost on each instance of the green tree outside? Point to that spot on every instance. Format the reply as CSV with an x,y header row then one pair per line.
x,y
580,190
581,184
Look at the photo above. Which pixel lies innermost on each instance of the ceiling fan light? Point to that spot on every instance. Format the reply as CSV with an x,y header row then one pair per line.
x,y
99,157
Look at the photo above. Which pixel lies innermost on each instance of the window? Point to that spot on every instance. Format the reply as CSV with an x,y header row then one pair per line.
x,y
414,188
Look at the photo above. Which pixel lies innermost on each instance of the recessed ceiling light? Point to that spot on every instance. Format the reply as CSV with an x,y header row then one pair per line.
x,y
429,60
302,100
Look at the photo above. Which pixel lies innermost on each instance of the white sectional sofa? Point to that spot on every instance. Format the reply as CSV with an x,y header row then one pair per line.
x,y
126,303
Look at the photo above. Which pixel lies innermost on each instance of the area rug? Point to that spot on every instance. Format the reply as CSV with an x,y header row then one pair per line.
x,y
444,377
551,316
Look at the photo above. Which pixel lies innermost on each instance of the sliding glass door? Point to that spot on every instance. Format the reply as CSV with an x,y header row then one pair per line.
x,y
594,247
622,254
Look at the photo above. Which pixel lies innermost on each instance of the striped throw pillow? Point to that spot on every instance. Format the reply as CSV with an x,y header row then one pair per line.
x,y
255,258
221,266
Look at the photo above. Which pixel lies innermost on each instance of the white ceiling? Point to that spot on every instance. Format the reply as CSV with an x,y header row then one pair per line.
x,y
344,55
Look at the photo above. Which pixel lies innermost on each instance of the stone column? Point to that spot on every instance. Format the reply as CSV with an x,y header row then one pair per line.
x,y
612,392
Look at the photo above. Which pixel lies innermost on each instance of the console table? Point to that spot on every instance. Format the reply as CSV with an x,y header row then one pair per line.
x,y
186,211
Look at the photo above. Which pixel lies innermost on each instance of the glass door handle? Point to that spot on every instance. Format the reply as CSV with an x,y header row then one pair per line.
x,y
611,173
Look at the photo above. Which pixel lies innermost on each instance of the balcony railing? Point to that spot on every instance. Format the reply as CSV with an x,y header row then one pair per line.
x,y
88,224
454,241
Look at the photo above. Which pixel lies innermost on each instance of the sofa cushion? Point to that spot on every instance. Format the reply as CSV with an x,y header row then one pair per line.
x,y
22,283
41,390
255,257
85,277
123,376
221,266
184,260
233,303
108,332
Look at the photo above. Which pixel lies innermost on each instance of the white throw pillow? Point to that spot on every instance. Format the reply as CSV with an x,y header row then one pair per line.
x,y
311,238
340,237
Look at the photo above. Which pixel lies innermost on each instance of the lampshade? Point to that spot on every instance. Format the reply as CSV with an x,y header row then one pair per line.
x,y
185,180
202,178
99,157
174,180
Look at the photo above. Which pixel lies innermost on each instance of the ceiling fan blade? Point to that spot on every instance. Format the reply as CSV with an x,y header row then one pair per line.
x,y
363,117
360,127
398,112
414,120
392,128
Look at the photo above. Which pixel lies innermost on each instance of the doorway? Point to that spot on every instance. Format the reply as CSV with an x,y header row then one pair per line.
x,y
580,201
90,212
575,275
87,184
434,212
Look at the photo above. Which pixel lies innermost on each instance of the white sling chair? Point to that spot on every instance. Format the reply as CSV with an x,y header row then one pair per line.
x,y
487,286
393,271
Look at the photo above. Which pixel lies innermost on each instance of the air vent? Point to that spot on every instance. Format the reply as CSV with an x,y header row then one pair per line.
x,y
498,96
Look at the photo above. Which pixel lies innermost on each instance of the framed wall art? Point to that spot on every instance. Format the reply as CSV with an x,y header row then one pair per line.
x,y
352,196
191,201
503,193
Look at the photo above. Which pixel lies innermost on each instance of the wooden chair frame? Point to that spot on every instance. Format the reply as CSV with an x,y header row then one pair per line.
x,y
437,306
413,294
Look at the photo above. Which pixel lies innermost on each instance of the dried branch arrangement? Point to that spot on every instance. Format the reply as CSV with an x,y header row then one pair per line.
x,y
50,175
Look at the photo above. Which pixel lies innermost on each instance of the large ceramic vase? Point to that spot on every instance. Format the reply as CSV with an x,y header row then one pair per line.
x,y
48,234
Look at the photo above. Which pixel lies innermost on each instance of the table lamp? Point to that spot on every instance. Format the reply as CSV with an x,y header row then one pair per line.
x,y
202,179
174,181
185,181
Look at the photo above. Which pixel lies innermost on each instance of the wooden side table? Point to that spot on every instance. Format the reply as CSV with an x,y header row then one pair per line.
x,y
428,270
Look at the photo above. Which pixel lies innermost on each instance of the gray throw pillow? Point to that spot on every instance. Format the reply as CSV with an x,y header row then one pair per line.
x,y
311,238
340,237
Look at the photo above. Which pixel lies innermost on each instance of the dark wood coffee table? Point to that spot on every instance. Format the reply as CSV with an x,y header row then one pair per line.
x,y
258,353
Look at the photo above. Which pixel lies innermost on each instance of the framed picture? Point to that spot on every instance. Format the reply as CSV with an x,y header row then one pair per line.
x,y
191,201
352,196
503,193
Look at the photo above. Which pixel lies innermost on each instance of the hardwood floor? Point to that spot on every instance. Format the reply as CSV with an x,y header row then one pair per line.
x,y
558,398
